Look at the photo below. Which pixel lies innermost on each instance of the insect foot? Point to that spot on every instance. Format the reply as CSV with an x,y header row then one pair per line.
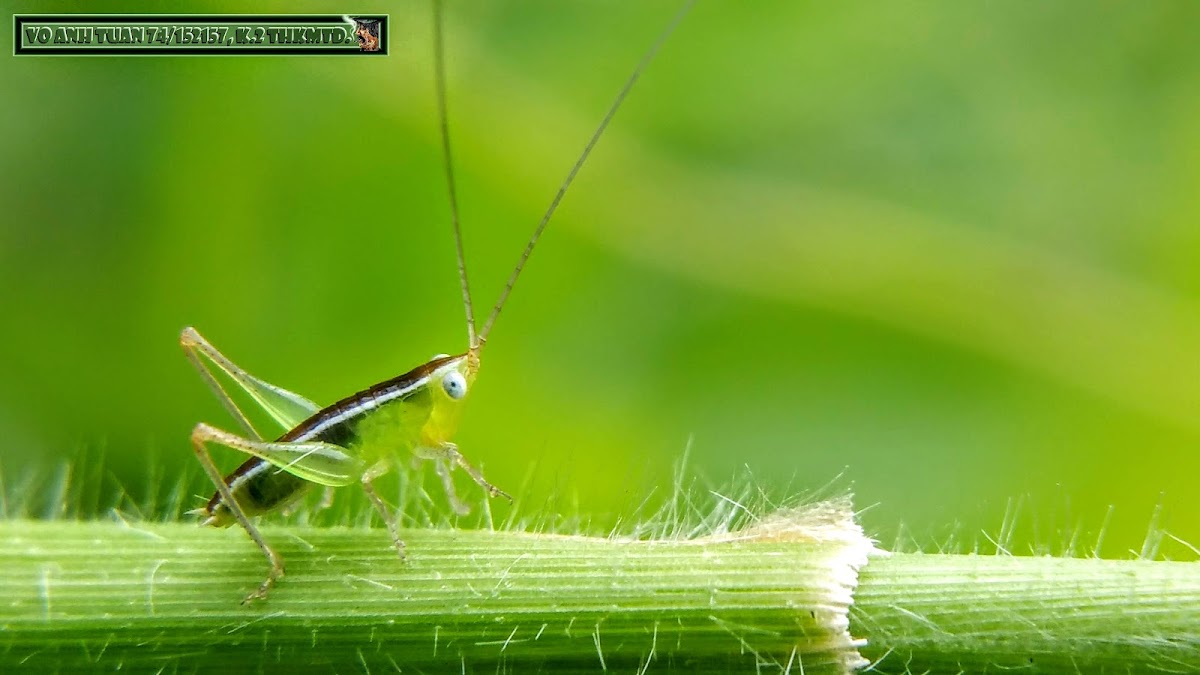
x,y
265,587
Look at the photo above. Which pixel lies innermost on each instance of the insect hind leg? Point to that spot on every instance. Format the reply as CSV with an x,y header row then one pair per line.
x,y
201,435
285,407
317,462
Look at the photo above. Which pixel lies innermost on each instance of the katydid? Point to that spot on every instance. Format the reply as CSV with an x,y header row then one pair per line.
x,y
361,437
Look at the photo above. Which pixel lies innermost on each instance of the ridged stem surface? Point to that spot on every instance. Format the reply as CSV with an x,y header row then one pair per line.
x,y
148,597
998,614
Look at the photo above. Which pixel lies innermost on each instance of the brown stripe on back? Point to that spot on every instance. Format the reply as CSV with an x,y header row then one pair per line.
x,y
354,400
246,467
381,389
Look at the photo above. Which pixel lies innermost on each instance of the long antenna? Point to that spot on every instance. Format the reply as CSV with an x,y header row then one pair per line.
x,y
439,67
587,150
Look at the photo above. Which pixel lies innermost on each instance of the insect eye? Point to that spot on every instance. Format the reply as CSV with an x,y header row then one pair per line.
x,y
455,385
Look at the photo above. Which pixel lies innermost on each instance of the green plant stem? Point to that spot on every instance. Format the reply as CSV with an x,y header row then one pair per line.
x,y
148,597
99,595
985,613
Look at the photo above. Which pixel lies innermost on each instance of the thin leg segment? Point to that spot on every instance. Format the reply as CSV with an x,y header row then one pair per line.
x,y
448,452
455,456
326,499
200,436
443,471
328,462
314,461
389,517
287,408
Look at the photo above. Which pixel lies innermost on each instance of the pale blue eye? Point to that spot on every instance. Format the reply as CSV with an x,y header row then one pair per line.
x,y
455,385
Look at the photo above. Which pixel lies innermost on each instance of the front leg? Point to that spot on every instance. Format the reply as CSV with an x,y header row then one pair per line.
x,y
443,468
447,456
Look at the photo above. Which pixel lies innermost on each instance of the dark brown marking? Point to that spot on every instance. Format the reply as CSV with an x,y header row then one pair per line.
x,y
350,402
337,432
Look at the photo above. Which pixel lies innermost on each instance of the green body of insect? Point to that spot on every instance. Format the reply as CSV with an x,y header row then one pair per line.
x,y
335,446
360,437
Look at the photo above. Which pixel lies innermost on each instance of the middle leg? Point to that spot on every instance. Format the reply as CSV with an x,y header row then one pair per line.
x,y
389,517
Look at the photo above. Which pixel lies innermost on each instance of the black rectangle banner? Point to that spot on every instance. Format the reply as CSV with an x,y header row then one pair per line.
x,y
196,34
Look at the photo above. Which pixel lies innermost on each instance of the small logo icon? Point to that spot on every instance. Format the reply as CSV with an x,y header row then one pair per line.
x,y
367,31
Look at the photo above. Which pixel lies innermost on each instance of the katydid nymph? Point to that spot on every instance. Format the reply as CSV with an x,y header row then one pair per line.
x,y
362,436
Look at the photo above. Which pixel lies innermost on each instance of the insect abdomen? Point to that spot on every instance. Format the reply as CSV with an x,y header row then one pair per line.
x,y
259,487
370,424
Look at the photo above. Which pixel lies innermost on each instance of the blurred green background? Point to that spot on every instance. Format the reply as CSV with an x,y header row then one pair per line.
x,y
948,251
